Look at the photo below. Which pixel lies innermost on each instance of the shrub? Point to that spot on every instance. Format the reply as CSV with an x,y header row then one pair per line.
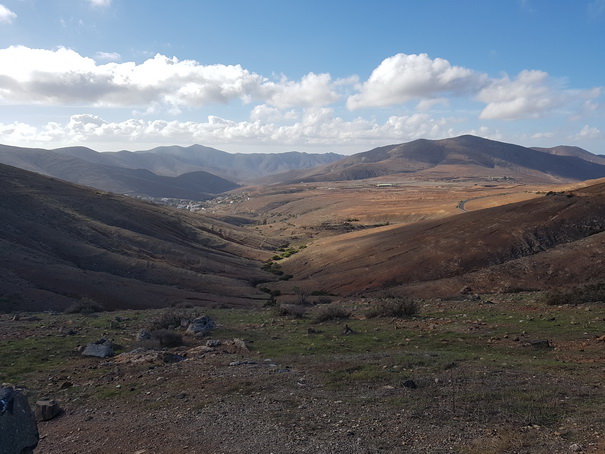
x,y
393,307
292,310
168,338
323,300
85,306
272,267
332,312
583,294
173,318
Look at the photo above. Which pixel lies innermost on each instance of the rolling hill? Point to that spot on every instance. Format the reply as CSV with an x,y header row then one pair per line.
x,y
61,242
552,241
460,157
89,171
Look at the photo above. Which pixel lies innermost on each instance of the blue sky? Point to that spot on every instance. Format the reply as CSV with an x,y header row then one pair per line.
x,y
314,76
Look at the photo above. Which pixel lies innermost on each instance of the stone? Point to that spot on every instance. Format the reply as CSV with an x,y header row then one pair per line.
x,y
201,325
143,334
466,290
18,429
102,348
410,384
167,357
46,410
540,344
240,347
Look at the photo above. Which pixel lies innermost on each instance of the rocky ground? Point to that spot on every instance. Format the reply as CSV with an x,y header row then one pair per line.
x,y
462,378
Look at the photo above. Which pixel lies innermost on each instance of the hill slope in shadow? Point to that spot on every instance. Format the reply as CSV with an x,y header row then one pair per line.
x,y
61,242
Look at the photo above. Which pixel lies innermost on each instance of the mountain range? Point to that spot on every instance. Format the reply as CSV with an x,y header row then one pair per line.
x,y
200,173
460,157
195,172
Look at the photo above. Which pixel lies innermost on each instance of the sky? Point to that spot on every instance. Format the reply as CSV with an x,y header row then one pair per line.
x,y
288,75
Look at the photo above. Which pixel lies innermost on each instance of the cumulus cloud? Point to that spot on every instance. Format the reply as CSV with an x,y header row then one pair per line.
x,y
312,126
63,77
281,111
589,132
530,94
313,90
6,15
403,77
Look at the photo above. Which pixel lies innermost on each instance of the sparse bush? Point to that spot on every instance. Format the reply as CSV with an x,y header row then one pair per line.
x,y
320,293
272,267
301,294
323,300
168,338
292,310
174,318
84,306
393,307
517,289
583,294
332,312
559,298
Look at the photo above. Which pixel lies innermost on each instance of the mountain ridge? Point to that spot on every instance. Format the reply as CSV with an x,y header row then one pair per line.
x,y
175,160
463,156
197,185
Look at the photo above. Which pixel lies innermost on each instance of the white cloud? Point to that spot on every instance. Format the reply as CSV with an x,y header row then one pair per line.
x,y
64,77
531,94
313,126
108,56
428,104
403,77
100,3
313,90
588,132
280,111
266,113
6,15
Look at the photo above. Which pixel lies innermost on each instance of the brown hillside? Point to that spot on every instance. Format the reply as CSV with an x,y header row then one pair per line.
x,y
464,156
453,247
61,242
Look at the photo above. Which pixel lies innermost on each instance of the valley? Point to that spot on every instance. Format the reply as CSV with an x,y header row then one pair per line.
x,y
454,308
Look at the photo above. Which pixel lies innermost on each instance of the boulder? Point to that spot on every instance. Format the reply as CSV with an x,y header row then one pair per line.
x,y
541,344
237,346
46,409
102,348
18,429
200,325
